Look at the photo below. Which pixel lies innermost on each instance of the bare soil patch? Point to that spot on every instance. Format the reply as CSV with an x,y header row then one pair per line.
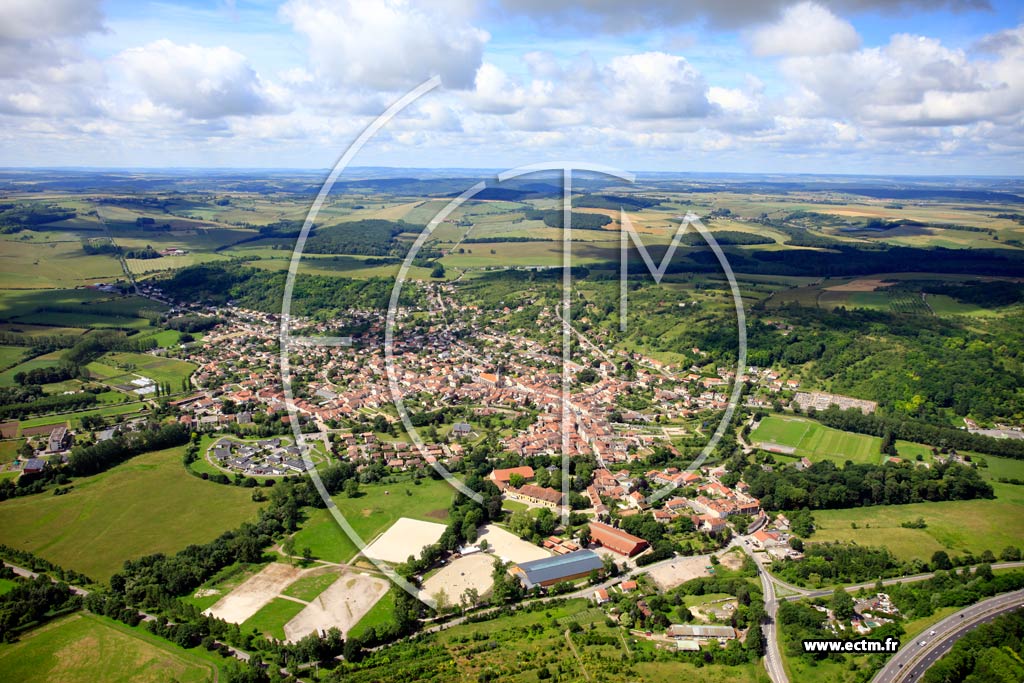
x,y
254,593
342,605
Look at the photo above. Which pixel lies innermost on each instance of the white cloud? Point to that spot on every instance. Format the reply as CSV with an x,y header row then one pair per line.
x,y
201,82
30,20
387,45
805,29
913,80
656,85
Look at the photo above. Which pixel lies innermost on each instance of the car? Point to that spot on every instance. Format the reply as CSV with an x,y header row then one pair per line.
x,y
932,633
923,643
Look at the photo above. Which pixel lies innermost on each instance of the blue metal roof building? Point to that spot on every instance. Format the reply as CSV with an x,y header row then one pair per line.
x,y
551,570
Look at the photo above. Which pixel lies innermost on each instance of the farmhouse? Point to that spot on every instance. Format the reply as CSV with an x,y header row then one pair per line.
x,y
616,540
551,570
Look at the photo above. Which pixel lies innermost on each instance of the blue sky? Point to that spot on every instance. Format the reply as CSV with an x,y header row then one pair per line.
x,y
843,86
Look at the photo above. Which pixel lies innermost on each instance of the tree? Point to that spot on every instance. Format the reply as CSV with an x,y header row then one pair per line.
x,y
940,560
755,640
516,480
351,488
438,271
1011,553
842,604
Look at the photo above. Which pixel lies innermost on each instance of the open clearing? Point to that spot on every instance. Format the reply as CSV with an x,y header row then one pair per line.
x,y
147,505
342,605
471,571
675,574
372,512
816,441
254,593
404,538
860,285
84,648
509,547
954,526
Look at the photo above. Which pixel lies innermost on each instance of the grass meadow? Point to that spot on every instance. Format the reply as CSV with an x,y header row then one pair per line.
x,y
149,504
83,648
370,514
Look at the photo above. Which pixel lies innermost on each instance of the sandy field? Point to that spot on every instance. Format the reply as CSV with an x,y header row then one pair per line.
x,y
404,538
342,605
861,285
676,573
471,571
510,547
733,559
254,593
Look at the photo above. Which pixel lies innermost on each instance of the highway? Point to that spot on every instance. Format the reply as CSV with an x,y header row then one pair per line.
x,y
909,664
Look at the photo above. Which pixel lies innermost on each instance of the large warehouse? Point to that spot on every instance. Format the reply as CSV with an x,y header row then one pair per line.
x,y
551,570
616,540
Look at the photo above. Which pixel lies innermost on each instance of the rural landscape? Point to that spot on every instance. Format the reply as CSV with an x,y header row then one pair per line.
x,y
360,341
158,473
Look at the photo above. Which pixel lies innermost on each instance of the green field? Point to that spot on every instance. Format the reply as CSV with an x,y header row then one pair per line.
x,y
954,526
271,618
817,442
85,648
381,614
308,587
371,514
11,355
149,504
168,370
222,583
44,361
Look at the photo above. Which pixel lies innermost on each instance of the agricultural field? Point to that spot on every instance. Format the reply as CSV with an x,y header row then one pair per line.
x,y
83,648
374,511
815,441
169,370
149,504
519,645
953,526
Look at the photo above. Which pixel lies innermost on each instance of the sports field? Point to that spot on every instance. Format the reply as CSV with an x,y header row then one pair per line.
x,y
85,648
149,504
815,441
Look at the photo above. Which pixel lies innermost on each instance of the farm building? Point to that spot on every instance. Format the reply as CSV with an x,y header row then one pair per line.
x,y
616,540
502,477
551,570
698,632
539,495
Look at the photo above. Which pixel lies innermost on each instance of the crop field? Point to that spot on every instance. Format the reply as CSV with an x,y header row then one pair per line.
x,y
376,509
146,505
26,265
83,648
44,361
954,526
816,441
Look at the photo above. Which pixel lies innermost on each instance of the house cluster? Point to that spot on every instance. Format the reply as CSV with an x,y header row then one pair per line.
x,y
709,502
266,457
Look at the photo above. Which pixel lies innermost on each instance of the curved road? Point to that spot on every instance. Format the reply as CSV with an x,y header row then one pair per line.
x,y
909,664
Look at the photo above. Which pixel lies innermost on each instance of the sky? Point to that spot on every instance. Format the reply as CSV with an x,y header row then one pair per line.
x,y
880,87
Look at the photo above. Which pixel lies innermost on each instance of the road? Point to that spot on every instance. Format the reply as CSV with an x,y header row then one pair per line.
x,y
909,664
804,593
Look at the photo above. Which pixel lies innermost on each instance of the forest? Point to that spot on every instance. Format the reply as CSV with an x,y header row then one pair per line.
x,y
824,486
